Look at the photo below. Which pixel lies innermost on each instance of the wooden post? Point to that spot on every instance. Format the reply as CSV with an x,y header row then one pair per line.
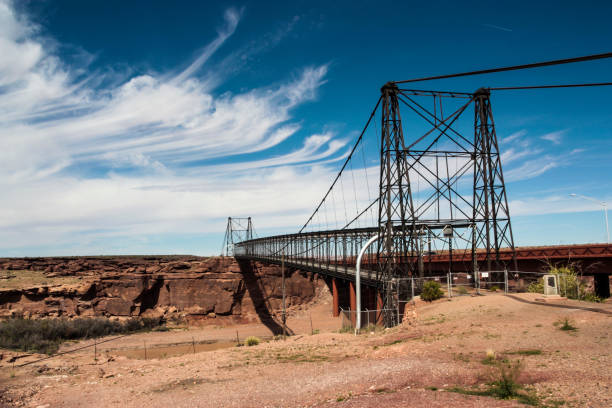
x,y
311,328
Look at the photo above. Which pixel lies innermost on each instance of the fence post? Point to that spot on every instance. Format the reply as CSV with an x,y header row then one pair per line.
x,y
412,287
398,301
506,281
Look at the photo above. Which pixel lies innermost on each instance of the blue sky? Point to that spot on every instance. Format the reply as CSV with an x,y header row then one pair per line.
x,y
138,127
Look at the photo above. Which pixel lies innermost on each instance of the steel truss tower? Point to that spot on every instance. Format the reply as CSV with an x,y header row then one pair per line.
x,y
464,186
237,230
395,208
492,229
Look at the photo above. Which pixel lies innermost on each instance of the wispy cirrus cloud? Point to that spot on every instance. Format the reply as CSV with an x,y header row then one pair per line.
x,y
554,137
516,135
168,119
551,204
524,158
81,153
500,28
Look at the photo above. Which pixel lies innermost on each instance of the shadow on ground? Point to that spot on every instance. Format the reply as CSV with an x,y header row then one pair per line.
x,y
260,299
590,309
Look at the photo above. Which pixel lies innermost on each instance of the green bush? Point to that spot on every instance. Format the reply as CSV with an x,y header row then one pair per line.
x,y
252,341
570,284
494,288
591,297
461,290
536,287
431,291
569,281
566,325
45,335
506,385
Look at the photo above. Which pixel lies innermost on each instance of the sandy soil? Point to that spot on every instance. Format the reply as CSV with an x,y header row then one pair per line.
x,y
412,365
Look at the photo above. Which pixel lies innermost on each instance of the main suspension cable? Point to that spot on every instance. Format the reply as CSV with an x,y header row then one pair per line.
x,y
514,88
344,165
513,68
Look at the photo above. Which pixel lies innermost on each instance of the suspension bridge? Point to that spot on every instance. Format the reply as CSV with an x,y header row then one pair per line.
x,y
423,183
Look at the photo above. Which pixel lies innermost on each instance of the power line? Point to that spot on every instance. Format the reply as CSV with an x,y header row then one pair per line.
x,y
514,67
512,88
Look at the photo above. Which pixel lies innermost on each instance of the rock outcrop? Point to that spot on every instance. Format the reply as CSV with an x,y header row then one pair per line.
x,y
194,288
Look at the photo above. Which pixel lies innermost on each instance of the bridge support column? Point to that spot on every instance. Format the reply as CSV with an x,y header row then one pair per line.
x,y
353,301
336,298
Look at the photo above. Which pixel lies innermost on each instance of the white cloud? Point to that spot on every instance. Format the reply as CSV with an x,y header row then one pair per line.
x,y
232,17
552,204
144,138
514,136
81,161
554,137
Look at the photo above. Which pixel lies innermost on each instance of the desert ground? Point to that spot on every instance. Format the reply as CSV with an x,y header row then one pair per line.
x,y
420,363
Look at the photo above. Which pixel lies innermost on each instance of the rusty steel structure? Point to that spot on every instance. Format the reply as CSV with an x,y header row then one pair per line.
x,y
441,196
463,195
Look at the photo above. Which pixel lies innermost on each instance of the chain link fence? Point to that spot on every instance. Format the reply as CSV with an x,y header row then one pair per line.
x,y
406,290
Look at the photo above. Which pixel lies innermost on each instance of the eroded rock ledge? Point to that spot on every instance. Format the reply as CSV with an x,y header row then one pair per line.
x,y
153,286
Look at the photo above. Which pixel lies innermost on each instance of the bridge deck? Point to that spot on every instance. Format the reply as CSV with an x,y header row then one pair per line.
x,y
347,272
592,259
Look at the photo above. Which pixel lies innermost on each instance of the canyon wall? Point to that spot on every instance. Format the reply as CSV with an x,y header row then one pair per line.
x,y
191,288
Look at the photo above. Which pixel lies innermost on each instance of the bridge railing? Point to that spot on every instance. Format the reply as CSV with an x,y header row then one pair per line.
x,y
333,252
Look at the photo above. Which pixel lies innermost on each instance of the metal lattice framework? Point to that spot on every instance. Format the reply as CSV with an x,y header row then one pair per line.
x,y
237,230
445,186
395,207
490,202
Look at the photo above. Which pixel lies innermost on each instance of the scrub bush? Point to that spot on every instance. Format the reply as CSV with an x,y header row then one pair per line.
x,y
431,291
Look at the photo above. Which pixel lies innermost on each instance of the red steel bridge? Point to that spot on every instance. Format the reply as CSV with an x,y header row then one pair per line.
x,y
425,178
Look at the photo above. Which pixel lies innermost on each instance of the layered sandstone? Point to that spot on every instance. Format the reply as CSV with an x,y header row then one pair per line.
x,y
186,286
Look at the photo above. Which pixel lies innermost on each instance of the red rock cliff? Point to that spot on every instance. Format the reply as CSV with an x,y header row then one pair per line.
x,y
193,287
